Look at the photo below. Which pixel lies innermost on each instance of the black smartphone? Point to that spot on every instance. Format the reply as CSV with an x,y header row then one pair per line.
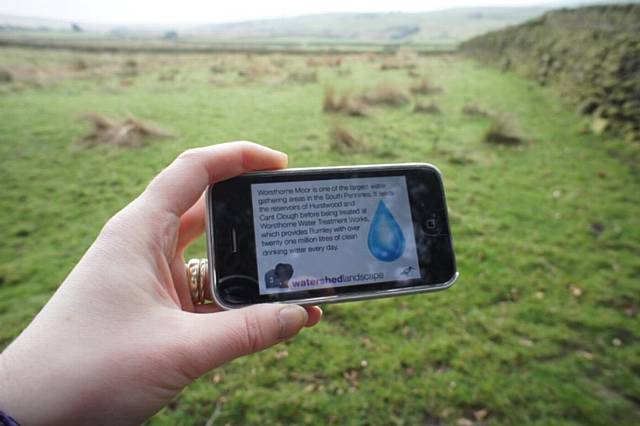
x,y
331,234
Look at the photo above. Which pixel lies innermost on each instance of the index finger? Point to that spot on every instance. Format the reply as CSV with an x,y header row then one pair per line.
x,y
180,185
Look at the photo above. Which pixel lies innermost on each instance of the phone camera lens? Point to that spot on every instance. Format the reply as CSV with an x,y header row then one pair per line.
x,y
432,225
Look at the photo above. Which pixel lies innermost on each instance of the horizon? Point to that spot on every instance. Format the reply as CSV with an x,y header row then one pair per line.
x,y
34,10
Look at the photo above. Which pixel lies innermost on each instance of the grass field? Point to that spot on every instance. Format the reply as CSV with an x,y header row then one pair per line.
x,y
542,327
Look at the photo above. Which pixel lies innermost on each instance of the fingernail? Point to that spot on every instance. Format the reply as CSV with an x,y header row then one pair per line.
x,y
292,318
284,154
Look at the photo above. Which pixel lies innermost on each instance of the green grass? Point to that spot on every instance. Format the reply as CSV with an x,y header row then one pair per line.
x,y
510,337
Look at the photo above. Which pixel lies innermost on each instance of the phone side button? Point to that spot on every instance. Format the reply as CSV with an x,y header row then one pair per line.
x,y
234,240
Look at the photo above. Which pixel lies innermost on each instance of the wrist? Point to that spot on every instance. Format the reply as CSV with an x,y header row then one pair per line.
x,y
15,377
5,390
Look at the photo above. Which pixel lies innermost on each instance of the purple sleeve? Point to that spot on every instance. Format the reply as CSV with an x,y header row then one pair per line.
x,y
6,420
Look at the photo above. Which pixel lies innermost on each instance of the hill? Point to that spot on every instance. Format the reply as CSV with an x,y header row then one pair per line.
x,y
446,26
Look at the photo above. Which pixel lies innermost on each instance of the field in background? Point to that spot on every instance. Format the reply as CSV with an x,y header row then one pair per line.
x,y
542,326
442,29
100,44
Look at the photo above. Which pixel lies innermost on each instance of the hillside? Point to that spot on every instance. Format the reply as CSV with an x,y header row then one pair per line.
x,y
447,26
591,55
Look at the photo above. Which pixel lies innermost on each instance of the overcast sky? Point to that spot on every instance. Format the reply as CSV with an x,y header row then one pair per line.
x,y
201,11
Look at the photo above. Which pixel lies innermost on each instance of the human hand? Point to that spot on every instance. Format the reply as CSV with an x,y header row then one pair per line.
x,y
121,336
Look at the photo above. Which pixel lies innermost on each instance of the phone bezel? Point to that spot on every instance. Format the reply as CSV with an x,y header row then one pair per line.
x,y
333,298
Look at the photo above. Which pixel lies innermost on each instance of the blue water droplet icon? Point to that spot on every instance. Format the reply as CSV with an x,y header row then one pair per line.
x,y
386,241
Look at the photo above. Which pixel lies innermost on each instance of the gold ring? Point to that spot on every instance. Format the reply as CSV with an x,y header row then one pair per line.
x,y
204,270
197,270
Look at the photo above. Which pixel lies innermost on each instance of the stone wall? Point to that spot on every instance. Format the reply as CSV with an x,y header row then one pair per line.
x,y
591,55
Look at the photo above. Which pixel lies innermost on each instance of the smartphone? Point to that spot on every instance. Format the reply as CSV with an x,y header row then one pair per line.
x,y
331,234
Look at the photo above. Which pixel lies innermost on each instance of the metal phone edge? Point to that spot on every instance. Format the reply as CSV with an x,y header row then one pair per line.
x,y
294,170
378,294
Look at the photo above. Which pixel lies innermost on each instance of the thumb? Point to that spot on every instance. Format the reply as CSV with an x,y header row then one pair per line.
x,y
223,336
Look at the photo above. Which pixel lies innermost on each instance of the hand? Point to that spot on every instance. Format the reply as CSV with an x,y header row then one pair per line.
x,y
121,336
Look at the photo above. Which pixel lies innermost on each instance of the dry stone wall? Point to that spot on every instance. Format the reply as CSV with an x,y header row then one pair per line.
x,y
591,55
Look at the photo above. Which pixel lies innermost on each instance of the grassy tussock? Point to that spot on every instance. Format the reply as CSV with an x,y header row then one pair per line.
x,y
6,76
330,102
344,104
129,68
426,108
79,64
331,61
256,70
393,63
423,87
169,75
218,68
404,59
130,132
473,110
303,77
279,62
386,94
343,140
500,132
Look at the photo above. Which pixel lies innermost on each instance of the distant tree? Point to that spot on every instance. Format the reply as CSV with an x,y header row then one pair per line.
x,y
76,28
171,35
405,31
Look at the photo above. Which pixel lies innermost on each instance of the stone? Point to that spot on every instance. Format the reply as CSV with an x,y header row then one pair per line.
x,y
599,125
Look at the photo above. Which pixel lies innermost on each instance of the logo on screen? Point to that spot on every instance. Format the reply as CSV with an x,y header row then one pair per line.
x,y
279,276
386,240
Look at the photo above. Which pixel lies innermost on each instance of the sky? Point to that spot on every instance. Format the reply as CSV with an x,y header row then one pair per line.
x,y
202,11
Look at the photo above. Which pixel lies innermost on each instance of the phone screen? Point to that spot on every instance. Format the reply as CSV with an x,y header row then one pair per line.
x,y
328,233
332,233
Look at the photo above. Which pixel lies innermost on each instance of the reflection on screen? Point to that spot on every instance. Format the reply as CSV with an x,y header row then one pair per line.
x,y
337,232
